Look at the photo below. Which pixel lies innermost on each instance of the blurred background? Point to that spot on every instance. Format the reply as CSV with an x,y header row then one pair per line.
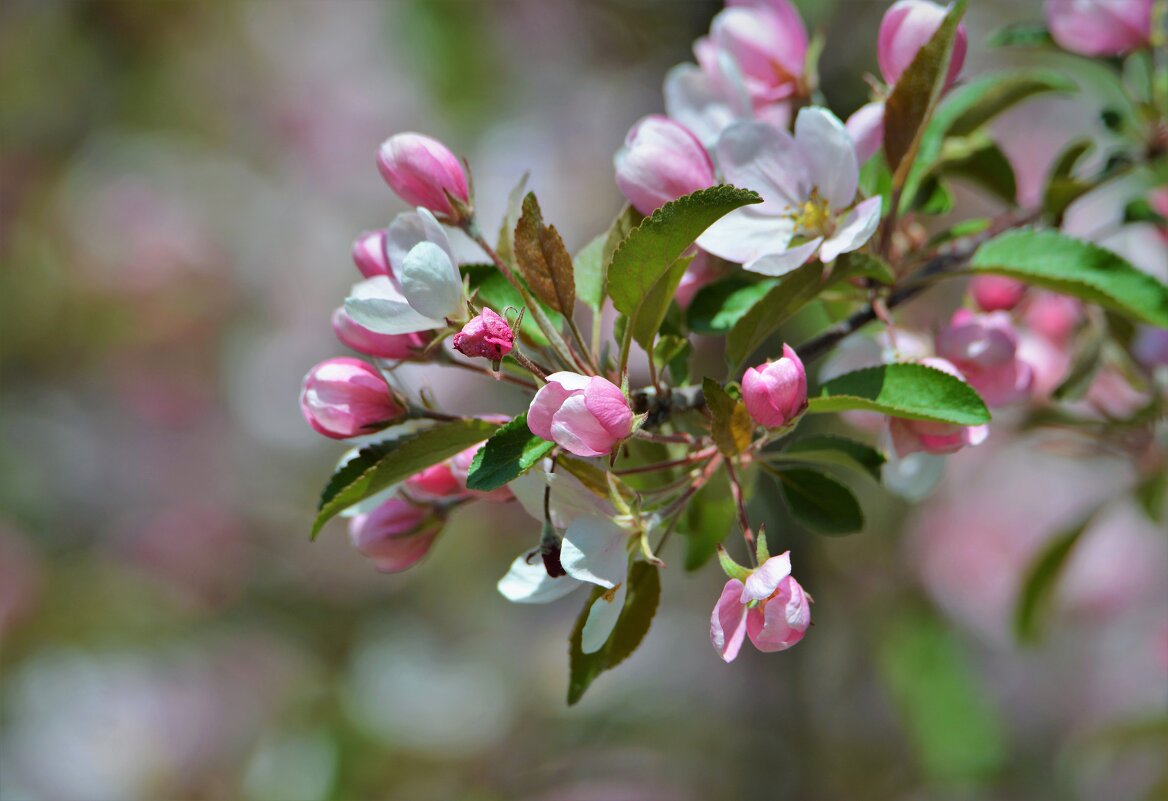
x,y
181,182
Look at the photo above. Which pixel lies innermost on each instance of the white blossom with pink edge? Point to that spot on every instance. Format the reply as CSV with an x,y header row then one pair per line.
x,y
808,183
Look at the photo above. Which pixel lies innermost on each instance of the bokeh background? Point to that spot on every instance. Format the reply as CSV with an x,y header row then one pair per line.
x,y
181,182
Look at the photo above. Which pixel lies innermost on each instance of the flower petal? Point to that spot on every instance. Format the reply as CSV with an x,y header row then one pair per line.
x,y
744,235
378,305
575,429
529,583
765,580
698,101
829,154
594,550
602,618
854,230
784,261
759,156
431,282
728,621
609,406
410,228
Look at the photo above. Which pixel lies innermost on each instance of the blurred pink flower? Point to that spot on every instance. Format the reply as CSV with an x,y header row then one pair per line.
x,y
768,43
395,535
996,292
661,160
926,436
906,27
984,347
1100,27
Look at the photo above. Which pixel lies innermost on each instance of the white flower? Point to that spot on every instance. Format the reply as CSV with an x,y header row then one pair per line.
x,y
594,550
808,184
425,288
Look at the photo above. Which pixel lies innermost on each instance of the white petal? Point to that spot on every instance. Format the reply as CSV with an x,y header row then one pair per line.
x,y
529,490
912,477
830,155
744,235
595,550
787,261
431,282
410,228
765,579
756,155
571,499
695,99
529,583
854,230
379,306
602,617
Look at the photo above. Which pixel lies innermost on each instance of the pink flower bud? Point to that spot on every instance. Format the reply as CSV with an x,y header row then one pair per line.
x,y
775,393
486,335
866,129
384,346
460,467
1100,27
984,348
346,397
767,42
778,619
395,535
661,161
906,28
369,254
912,436
996,292
1053,316
436,482
422,171
585,415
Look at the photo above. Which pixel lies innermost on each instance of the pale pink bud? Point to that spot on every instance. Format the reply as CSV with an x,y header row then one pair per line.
x,y
436,482
1100,27
422,171
384,346
487,335
996,292
984,348
346,397
460,468
906,28
395,535
866,129
661,161
767,42
369,254
775,393
584,415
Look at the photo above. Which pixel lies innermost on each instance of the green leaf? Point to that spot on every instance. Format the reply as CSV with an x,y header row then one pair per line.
x,y
543,259
1023,34
730,425
949,719
509,453
589,267
707,520
378,466
656,304
912,391
858,264
911,103
776,307
986,166
674,352
1054,261
496,292
717,307
835,452
1062,187
1041,581
654,245
636,616
819,502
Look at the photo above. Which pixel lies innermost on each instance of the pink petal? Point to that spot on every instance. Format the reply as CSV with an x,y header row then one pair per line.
x,y
544,405
576,430
765,580
728,621
609,406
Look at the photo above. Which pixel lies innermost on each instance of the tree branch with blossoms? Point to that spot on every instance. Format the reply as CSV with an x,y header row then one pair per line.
x,y
748,202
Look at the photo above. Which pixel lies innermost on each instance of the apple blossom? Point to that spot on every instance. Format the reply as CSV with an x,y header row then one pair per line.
x,y
661,161
485,335
996,292
770,607
369,254
984,348
395,535
906,27
345,397
775,393
808,184
584,415
1100,27
385,346
767,42
423,172
424,288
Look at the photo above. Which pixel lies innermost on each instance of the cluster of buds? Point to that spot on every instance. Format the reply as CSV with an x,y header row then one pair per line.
x,y
747,183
